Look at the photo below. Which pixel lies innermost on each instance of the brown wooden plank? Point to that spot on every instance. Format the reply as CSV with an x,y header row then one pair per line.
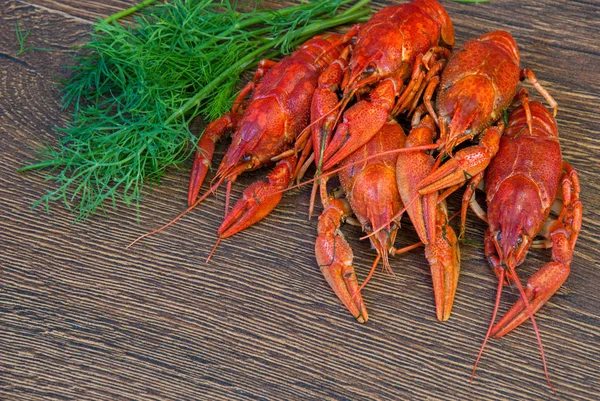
x,y
82,318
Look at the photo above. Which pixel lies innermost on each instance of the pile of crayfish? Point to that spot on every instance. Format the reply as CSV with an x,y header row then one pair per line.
x,y
339,103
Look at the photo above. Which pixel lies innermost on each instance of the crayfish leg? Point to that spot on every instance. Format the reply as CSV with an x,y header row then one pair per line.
x,y
465,163
528,73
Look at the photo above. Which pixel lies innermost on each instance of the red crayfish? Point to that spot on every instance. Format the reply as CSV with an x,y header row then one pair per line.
x,y
375,189
270,124
265,127
525,181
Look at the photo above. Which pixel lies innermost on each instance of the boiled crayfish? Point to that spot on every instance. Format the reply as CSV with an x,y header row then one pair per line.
x,y
525,181
265,126
372,195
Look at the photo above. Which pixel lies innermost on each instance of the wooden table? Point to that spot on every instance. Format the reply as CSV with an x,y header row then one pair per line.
x,y
81,318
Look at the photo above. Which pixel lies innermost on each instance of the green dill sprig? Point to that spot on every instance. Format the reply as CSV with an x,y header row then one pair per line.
x,y
134,90
22,37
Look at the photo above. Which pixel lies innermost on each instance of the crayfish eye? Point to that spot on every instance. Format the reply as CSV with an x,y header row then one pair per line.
x,y
519,241
247,158
499,236
369,70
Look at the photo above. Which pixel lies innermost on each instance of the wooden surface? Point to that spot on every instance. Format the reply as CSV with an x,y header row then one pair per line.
x,y
81,318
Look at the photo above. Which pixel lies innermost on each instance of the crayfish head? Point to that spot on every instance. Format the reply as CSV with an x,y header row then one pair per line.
x,y
512,246
515,215
363,72
383,241
231,167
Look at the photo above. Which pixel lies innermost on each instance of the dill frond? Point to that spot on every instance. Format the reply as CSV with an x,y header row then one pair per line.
x,y
134,89
21,38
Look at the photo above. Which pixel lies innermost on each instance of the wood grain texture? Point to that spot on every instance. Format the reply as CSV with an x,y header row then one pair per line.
x,y
81,318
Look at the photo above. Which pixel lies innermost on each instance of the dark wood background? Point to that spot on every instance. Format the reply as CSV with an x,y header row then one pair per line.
x,y
81,318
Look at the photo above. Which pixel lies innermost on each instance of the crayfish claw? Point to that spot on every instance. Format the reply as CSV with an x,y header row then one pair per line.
x,y
334,257
444,260
205,151
341,277
540,287
259,199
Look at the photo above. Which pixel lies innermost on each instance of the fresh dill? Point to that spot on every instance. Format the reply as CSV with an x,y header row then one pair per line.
x,y
134,89
21,38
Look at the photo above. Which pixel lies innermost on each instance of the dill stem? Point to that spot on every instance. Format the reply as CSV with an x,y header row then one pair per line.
x,y
349,15
355,7
129,11
44,164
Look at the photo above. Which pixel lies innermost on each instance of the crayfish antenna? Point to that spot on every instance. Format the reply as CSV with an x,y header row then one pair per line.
x,y
227,197
313,196
487,335
214,249
530,312
179,216
370,275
